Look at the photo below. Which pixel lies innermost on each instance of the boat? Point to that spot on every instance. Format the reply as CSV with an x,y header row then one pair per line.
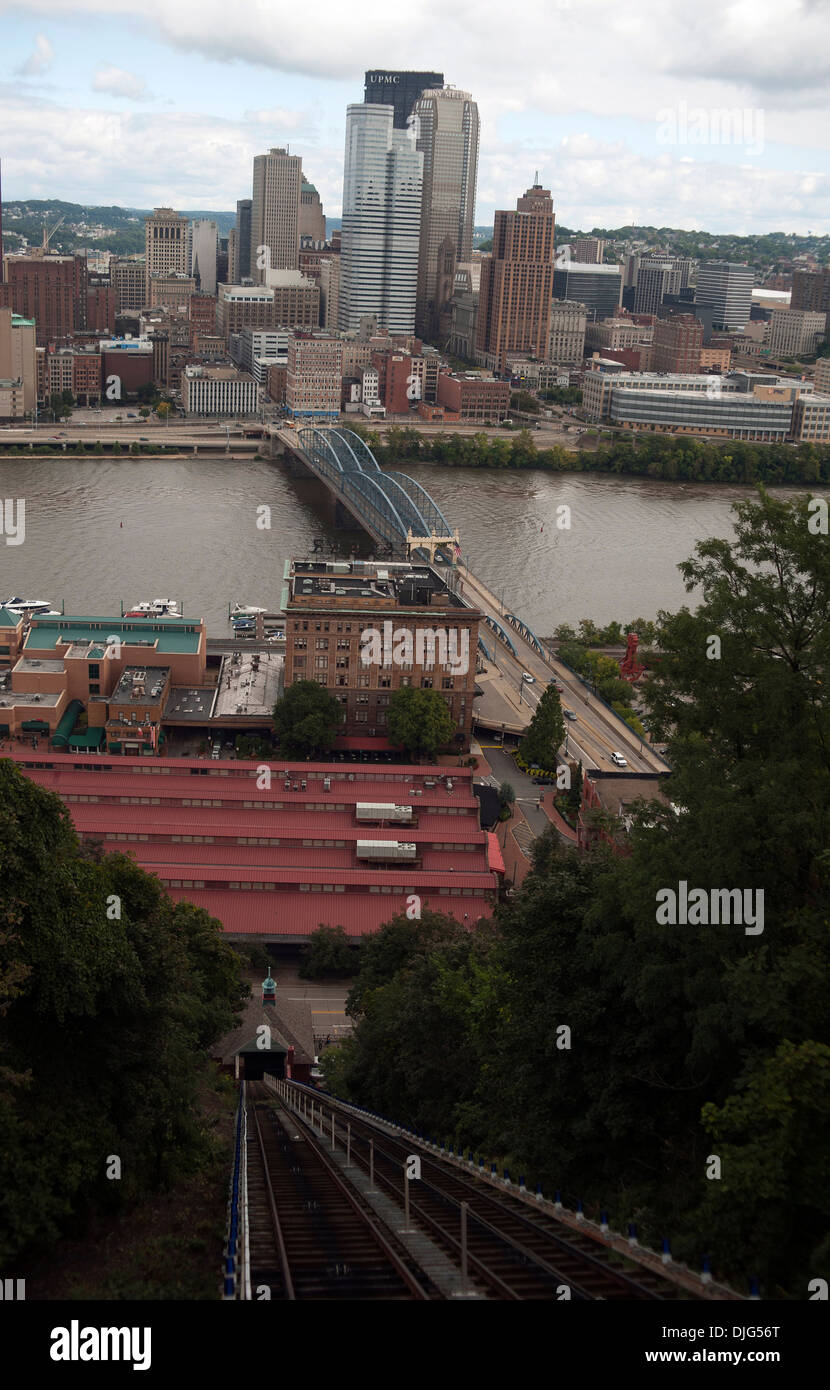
x,y
242,610
244,625
159,608
27,605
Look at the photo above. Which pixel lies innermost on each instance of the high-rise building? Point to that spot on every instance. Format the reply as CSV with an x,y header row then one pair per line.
x,y
517,282
51,290
275,213
727,286
588,250
329,292
400,90
381,221
568,321
656,276
130,283
811,290
203,246
18,364
598,287
447,129
165,242
312,384
677,344
312,217
795,332
241,269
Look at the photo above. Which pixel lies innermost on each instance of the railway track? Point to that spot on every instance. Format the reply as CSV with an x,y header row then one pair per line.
x,y
311,1237
513,1252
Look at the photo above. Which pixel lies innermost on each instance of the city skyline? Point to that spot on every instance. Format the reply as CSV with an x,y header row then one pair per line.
x,y
612,150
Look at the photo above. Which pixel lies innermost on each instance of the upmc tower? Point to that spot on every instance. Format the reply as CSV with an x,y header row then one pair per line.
x,y
399,89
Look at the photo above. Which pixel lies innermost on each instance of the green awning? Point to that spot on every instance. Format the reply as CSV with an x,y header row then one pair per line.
x,y
60,738
90,738
35,726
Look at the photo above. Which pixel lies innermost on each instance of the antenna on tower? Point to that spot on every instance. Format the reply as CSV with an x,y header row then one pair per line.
x,y
536,179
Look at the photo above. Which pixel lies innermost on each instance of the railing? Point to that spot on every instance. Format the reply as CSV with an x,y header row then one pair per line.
x,y
236,1258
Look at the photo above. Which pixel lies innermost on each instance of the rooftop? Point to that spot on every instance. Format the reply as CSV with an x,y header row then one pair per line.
x,y
161,634
138,684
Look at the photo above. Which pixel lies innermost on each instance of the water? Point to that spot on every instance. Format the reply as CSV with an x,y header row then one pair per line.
x,y
190,532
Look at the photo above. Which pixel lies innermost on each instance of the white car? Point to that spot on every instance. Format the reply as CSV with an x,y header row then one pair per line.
x,y
619,760
526,676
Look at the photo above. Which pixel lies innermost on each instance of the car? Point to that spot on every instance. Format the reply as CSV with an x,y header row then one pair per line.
x,y
569,714
560,689
526,676
216,751
619,760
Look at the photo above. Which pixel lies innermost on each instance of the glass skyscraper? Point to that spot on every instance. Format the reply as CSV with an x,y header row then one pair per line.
x,y
381,221
400,90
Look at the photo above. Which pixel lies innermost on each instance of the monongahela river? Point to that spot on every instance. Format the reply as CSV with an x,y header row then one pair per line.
x,y
100,532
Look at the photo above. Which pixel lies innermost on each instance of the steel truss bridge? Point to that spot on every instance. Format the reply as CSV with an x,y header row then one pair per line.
x,y
389,505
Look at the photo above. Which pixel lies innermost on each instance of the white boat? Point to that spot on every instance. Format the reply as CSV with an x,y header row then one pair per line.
x,y
159,608
243,610
27,605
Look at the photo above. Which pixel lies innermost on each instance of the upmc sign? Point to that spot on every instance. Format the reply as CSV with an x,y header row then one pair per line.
x,y
383,77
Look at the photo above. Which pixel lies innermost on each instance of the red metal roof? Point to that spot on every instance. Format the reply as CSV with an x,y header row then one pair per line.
x,y
356,876
278,765
298,914
98,817
495,857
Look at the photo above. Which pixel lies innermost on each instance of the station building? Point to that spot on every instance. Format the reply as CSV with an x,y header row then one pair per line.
x,y
325,843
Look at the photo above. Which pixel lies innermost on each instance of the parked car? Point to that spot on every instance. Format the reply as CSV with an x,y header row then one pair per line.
x,y
619,760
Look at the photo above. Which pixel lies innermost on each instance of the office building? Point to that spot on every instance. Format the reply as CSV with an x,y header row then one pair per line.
x,y
165,246
795,332
171,290
381,222
290,300
18,363
727,287
312,226
598,287
470,396
568,322
203,248
330,605
821,375
447,126
275,212
51,290
677,344
516,285
313,375
400,90
740,405
241,268
811,290
656,276
587,250
129,281
218,391
330,292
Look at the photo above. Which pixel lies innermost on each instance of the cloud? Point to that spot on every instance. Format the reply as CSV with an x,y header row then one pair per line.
x,y
40,58
117,82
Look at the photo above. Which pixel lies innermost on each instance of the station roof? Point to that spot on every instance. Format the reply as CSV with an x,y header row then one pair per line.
x,y
299,914
161,634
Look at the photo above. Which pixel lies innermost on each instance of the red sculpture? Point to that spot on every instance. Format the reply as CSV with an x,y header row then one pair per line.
x,y
631,668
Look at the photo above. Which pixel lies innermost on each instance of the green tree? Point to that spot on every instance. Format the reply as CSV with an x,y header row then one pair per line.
x,y
540,745
306,719
327,955
419,722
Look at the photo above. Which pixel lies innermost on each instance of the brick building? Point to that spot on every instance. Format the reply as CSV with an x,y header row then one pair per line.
x,y
677,344
332,608
52,290
472,397
516,285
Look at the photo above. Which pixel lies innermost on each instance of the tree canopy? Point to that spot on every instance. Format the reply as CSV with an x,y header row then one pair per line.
x,y
419,721
306,719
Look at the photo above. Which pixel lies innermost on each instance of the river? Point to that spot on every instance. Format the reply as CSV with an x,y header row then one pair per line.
x,y
103,531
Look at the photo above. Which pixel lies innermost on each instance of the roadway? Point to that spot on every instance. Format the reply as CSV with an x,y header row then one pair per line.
x,y
596,732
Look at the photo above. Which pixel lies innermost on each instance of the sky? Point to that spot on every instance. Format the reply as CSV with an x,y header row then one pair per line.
x,y
712,115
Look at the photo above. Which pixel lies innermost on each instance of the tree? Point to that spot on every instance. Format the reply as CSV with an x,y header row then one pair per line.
x,y
327,955
306,719
163,409
419,721
540,745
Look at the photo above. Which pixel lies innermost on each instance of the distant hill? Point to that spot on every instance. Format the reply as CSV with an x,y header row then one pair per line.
x,y
116,229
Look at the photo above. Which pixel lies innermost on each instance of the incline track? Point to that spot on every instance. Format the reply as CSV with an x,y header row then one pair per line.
x,y
514,1251
311,1236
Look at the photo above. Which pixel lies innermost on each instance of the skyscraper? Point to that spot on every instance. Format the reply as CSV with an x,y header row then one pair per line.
x,y
165,240
242,261
517,282
727,286
203,246
447,130
382,186
312,218
400,90
275,212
